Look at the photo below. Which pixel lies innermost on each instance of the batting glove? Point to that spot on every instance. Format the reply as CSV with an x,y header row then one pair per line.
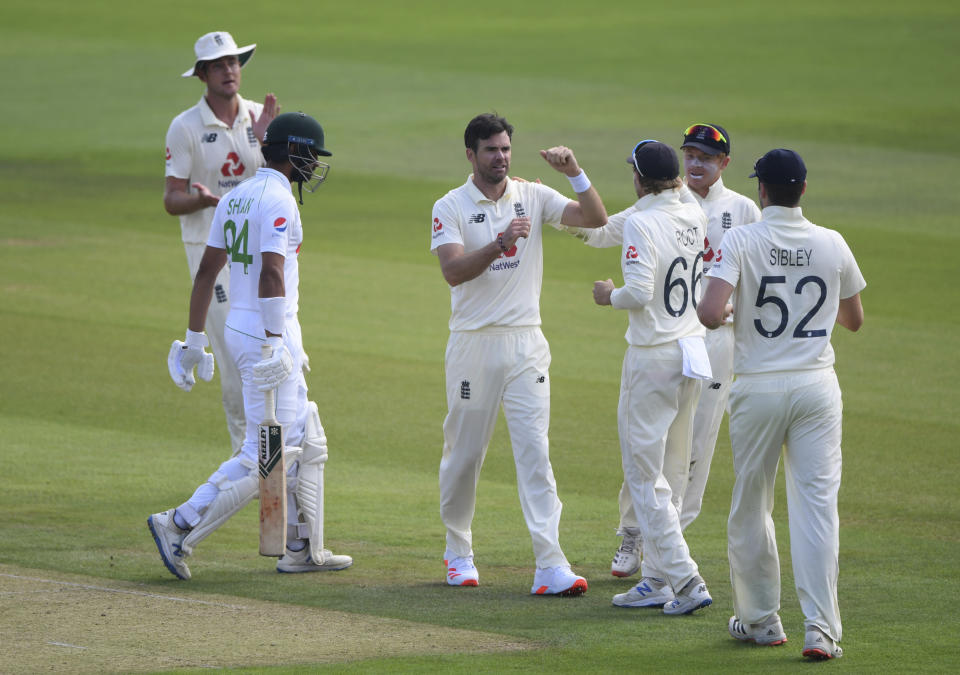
x,y
269,373
187,355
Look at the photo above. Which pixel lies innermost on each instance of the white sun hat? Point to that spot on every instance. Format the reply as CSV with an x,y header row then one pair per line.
x,y
213,46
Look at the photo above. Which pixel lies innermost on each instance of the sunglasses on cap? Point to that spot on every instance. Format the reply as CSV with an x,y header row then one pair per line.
x,y
707,132
633,154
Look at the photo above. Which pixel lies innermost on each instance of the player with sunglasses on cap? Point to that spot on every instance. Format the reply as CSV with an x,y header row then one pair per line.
x,y
662,371
211,148
706,153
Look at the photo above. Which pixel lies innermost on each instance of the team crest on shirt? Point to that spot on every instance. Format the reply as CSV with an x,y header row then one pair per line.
x,y
726,220
280,225
518,210
252,137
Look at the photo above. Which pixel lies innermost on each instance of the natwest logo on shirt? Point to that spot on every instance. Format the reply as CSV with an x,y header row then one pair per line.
x,y
437,225
233,166
168,154
632,253
509,253
707,251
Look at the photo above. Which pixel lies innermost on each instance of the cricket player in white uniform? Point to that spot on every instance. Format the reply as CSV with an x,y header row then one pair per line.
x,y
488,237
789,281
257,230
211,147
664,364
706,153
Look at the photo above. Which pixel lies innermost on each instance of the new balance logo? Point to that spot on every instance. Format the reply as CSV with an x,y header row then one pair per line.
x,y
518,210
541,379
477,218
643,588
465,390
209,138
715,385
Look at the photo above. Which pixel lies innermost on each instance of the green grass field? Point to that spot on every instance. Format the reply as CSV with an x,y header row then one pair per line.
x,y
93,287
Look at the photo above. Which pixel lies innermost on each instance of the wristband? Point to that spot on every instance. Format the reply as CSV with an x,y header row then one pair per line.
x,y
580,182
500,242
272,311
198,340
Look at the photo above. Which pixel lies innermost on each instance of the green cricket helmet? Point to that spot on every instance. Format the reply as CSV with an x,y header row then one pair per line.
x,y
297,137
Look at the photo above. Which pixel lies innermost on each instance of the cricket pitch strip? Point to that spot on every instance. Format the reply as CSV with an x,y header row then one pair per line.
x,y
53,622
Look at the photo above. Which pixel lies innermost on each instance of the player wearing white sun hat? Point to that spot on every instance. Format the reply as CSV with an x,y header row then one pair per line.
x,y
210,149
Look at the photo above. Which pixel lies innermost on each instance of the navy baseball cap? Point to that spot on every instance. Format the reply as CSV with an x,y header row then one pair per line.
x,y
780,167
709,138
653,159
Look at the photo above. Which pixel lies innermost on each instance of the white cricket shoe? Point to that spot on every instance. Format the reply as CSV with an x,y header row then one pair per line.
x,y
294,562
691,597
461,571
557,581
169,539
650,592
626,561
819,646
769,632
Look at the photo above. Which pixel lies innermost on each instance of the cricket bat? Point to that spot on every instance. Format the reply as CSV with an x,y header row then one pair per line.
x,y
273,477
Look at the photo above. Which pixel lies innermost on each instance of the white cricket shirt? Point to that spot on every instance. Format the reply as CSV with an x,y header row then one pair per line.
x,y
724,209
662,269
259,215
788,277
507,293
203,149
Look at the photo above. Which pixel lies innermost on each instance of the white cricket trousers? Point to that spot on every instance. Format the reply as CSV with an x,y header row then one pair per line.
x,y
688,483
231,387
799,412
706,420
484,370
291,406
655,419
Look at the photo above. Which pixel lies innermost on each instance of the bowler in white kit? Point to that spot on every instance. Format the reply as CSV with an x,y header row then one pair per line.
x,y
488,237
789,282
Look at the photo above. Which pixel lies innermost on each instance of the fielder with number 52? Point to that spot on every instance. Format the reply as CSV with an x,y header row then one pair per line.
x,y
257,229
790,282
